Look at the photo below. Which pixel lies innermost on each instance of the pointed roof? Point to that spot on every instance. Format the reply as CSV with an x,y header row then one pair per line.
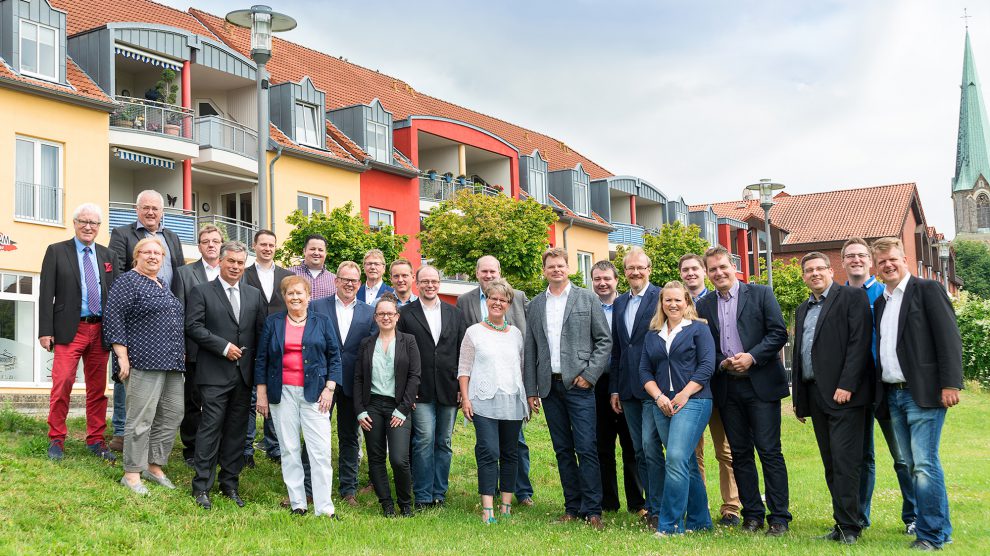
x,y
972,155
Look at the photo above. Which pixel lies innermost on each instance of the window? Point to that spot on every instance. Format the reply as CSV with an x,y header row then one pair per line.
x,y
306,125
38,180
20,353
205,107
378,219
309,204
711,231
983,211
377,137
538,185
39,46
584,266
581,200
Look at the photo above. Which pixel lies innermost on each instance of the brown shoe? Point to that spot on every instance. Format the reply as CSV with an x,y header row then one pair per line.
x,y
116,444
286,504
596,522
351,500
526,502
367,490
566,518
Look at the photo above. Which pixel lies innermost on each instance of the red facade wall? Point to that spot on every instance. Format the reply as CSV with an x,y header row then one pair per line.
x,y
398,194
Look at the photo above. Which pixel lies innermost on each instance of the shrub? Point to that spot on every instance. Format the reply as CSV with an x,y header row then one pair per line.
x,y
973,316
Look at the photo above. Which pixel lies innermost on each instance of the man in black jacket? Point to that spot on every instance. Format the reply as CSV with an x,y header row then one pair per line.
x,y
833,384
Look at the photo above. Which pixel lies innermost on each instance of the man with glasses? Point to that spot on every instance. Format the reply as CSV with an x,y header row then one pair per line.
x,y
150,212
374,268
75,277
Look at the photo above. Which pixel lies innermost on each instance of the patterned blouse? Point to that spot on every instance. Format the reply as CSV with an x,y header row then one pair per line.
x,y
149,320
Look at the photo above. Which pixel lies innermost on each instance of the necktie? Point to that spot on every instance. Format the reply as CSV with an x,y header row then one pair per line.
x,y
92,284
235,304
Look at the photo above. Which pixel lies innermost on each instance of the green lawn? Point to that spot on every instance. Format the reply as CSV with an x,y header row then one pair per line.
x,y
76,506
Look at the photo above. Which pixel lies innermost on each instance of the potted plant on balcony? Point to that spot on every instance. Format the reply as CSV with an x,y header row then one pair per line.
x,y
168,91
131,115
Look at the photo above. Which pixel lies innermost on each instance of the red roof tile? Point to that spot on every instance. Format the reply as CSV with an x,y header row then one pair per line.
x,y
79,84
84,15
593,219
334,150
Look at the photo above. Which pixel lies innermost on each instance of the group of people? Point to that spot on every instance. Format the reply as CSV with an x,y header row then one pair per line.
x,y
199,347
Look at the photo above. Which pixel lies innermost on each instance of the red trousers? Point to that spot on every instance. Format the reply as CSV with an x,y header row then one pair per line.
x,y
88,346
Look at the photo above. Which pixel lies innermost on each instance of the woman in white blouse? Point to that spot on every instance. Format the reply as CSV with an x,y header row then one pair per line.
x,y
493,397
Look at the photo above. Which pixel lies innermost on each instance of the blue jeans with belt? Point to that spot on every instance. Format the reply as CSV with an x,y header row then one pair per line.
x,y
685,502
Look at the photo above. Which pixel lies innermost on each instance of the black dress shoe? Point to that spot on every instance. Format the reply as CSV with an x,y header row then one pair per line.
x,y
299,511
924,545
388,511
777,530
190,463
729,520
420,506
232,494
405,511
249,462
203,500
838,535
752,525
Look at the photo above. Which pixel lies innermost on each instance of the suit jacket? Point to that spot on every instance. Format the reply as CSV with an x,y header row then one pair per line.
x,y
585,342
190,276
627,345
124,238
470,305
840,351
406,373
438,368
276,303
382,290
929,348
210,323
60,298
763,334
362,326
321,356
691,358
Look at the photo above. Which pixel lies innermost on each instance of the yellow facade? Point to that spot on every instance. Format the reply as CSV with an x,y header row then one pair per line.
x,y
298,175
83,135
583,239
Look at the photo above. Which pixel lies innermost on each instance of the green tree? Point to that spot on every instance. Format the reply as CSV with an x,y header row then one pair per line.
x,y
973,266
973,316
348,237
788,285
665,251
460,230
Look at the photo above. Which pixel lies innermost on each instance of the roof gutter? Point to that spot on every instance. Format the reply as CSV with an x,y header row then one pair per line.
x,y
71,98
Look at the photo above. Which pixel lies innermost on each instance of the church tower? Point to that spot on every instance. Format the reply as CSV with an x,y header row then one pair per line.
x,y
970,189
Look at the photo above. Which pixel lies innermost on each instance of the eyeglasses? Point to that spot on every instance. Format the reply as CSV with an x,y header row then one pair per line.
x,y
637,268
150,208
373,263
817,269
349,281
498,300
386,315
863,256
429,282
87,223
210,242
149,253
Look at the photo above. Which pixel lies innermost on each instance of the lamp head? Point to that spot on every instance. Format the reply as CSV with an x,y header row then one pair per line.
x,y
262,22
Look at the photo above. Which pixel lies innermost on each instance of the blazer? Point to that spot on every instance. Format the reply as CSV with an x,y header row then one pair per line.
x,y
382,290
470,305
691,358
438,368
362,325
763,334
406,373
276,303
210,323
627,345
585,342
929,347
60,295
190,276
321,356
124,238
840,351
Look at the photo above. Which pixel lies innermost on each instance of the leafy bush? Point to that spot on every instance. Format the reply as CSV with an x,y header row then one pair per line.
x,y
973,316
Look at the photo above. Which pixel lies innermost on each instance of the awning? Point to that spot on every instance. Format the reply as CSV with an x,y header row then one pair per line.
x,y
147,58
140,158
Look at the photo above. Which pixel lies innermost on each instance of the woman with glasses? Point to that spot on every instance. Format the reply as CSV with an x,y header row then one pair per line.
x,y
386,379
494,398
144,322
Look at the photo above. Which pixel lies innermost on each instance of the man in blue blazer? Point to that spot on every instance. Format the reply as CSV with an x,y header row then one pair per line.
x,y
749,382
374,268
353,321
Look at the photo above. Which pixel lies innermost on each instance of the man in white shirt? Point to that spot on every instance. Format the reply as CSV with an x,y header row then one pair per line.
x,y
374,268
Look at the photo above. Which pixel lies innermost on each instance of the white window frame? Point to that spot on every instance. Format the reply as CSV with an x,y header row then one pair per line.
x,y
36,218
309,210
41,358
307,136
582,198
381,153
712,232
538,185
585,261
379,217
37,50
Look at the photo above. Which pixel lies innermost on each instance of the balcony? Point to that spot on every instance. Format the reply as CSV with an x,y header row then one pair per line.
x,y
231,228
626,234
226,145
38,203
154,128
436,188
182,222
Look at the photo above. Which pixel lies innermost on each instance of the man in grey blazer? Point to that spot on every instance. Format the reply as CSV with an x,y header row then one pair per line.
x,y
474,308
568,343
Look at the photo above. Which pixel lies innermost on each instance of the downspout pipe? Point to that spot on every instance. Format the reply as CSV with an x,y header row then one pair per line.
x,y
570,222
271,183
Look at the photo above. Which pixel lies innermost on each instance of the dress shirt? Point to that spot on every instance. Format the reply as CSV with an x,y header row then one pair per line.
x,y
484,303
874,289
401,303
211,271
607,307
433,318
230,291
635,300
371,293
892,372
808,335
729,340
166,271
555,324
321,281
267,278
80,246
345,314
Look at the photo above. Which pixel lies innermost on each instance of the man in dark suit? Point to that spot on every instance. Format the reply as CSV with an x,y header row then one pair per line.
x,y
474,308
748,384
150,211
225,318
439,329
833,383
267,276
206,269
919,372
75,277
353,320
567,348
374,268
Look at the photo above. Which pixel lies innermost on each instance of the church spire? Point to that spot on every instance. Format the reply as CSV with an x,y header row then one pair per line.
x,y
972,155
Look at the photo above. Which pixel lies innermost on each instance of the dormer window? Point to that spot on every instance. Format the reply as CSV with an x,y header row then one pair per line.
x,y
306,128
39,48
582,201
538,185
377,137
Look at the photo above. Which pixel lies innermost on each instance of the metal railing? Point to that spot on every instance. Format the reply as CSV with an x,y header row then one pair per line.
x,y
219,133
231,228
182,222
41,203
626,234
441,188
153,117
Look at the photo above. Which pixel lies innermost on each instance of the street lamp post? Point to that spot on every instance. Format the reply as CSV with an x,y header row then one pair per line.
x,y
262,22
943,255
767,189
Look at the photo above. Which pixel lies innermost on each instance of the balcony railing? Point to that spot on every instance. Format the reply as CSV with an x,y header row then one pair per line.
x,y
41,203
231,228
441,188
218,133
182,222
153,117
626,234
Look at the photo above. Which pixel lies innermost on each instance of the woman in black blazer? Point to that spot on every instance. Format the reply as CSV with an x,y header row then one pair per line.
x,y
385,384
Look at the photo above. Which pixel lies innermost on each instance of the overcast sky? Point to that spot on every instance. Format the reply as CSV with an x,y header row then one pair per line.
x,y
700,98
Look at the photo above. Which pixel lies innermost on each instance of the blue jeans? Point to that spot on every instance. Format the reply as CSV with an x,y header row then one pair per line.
x,y
919,432
868,472
571,420
269,444
649,451
524,488
119,409
433,425
685,501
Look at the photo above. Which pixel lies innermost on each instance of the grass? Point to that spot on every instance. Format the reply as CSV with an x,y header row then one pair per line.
x,y
77,507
